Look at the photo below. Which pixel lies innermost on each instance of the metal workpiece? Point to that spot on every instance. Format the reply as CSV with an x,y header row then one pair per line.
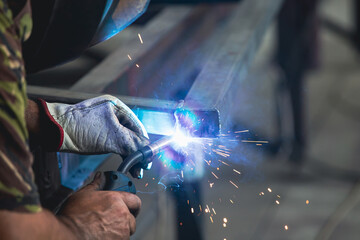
x,y
156,115
220,63
229,63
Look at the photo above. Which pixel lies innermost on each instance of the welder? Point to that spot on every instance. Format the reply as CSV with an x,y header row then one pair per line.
x,y
40,34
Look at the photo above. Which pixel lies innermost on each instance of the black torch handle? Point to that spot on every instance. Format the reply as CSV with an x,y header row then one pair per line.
x,y
117,181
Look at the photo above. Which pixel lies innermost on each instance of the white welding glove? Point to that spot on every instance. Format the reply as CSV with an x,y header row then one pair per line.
x,y
98,125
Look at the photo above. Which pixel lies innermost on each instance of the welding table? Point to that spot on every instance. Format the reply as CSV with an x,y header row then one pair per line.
x,y
199,54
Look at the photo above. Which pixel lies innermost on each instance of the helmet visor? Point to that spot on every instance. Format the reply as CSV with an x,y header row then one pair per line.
x,y
118,14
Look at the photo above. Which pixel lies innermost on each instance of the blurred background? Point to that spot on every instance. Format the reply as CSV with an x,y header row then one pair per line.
x,y
300,99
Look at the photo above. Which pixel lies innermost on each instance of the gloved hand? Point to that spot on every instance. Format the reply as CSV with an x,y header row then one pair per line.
x,y
98,125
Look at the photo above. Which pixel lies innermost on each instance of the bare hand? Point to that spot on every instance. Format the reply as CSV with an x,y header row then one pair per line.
x,y
94,214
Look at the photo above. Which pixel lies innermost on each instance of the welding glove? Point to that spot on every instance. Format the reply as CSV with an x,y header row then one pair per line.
x,y
98,125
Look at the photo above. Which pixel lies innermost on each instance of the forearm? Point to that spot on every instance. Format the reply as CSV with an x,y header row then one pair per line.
x,y
42,130
32,118
42,225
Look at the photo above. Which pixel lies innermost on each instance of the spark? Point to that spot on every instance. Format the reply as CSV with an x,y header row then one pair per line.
x,y
234,184
215,175
225,220
286,227
277,202
188,202
211,219
137,65
307,202
213,210
182,173
180,223
269,189
278,196
223,147
140,38
224,225
206,210
262,194
129,57
224,163
146,184
200,208
232,201
211,185
249,141
192,210
207,207
221,153
236,171
258,144
243,131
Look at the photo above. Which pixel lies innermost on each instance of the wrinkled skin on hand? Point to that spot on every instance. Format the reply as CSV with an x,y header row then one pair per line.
x,y
95,214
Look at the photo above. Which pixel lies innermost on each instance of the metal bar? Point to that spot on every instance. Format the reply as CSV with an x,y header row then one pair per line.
x,y
117,63
70,96
156,115
217,83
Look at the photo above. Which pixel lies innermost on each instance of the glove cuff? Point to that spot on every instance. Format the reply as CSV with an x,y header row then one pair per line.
x,y
52,134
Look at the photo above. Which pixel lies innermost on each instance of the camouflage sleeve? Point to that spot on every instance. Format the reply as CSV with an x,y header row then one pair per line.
x,y
18,191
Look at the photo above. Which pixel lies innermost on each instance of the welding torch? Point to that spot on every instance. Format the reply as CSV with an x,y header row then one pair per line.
x,y
119,181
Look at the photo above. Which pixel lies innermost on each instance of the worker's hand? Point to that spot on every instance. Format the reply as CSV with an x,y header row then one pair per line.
x,y
98,125
94,214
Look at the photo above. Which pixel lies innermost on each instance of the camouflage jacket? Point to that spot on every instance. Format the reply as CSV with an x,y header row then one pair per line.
x,y
18,191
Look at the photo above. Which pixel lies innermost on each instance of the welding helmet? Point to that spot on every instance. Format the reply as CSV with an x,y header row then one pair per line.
x,y
63,29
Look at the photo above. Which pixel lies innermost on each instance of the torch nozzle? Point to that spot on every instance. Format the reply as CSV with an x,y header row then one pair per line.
x,y
156,146
144,153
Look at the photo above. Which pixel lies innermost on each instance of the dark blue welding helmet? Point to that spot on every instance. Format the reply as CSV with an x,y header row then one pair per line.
x,y
63,29
117,15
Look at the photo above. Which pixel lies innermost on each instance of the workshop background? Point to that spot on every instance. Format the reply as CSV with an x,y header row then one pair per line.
x,y
274,197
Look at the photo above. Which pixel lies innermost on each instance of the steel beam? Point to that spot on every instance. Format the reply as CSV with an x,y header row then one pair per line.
x,y
217,83
156,115
117,63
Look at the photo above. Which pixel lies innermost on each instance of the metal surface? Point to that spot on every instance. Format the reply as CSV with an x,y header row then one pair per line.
x,y
117,63
234,45
217,83
75,169
156,115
